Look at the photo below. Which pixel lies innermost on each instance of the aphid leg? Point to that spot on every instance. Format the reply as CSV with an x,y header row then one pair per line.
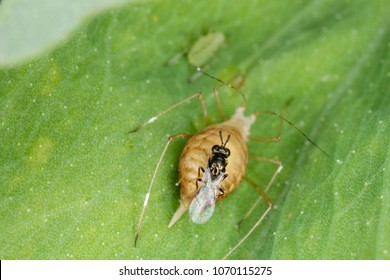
x,y
238,82
282,120
216,90
269,202
196,95
170,140
263,196
279,168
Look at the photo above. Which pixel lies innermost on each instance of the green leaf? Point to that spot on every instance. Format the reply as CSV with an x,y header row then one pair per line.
x,y
74,180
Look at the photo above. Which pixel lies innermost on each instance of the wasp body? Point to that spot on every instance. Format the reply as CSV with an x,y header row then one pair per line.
x,y
197,153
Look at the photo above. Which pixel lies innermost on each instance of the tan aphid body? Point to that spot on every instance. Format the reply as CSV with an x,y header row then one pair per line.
x,y
197,152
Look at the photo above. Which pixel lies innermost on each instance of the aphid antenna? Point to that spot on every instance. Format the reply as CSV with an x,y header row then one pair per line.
x,y
293,126
199,69
264,112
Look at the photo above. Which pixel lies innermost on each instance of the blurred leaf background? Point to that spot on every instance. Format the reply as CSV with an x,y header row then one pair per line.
x,y
73,180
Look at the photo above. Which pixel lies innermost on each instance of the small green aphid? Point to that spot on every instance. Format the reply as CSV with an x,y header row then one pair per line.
x,y
204,48
201,52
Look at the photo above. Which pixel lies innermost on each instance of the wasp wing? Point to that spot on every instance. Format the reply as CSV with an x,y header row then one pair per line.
x,y
203,205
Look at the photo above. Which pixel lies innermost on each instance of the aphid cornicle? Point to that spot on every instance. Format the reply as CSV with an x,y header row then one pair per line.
x,y
223,165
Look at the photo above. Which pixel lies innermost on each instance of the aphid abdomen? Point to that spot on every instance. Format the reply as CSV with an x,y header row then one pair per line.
x,y
198,150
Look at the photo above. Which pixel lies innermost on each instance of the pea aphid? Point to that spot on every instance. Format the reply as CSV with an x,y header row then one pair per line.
x,y
204,48
222,162
202,51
